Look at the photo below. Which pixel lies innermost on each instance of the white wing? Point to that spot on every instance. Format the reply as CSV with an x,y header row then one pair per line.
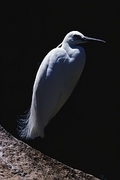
x,y
49,85
54,83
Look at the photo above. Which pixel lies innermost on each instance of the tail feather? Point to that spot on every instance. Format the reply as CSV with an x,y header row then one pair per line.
x,y
22,125
28,127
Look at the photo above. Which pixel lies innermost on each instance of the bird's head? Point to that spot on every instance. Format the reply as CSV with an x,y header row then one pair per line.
x,y
75,38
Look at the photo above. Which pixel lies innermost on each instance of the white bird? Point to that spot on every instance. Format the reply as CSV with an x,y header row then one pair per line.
x,y
56,78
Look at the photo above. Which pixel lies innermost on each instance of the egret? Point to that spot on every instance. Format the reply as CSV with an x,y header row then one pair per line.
x,y
56,78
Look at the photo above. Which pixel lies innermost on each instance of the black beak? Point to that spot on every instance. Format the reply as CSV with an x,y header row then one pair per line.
x,y
89,39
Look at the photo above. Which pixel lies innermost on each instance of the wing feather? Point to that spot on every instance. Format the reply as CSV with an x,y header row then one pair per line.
x,y
49,85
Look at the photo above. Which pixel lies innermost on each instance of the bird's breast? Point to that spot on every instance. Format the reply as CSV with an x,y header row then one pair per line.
x,y
74,70
77,61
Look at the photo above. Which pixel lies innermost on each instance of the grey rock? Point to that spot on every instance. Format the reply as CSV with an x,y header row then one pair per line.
x,y
19,161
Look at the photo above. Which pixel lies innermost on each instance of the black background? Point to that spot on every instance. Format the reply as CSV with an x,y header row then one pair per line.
x,y
84,134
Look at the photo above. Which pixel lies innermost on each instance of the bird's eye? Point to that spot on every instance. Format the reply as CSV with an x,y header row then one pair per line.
x,y
76,37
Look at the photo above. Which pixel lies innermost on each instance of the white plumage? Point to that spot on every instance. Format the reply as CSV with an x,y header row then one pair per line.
x,y
56,78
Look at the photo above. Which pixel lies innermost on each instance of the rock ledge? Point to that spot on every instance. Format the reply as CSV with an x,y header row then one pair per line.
x,y
19,161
